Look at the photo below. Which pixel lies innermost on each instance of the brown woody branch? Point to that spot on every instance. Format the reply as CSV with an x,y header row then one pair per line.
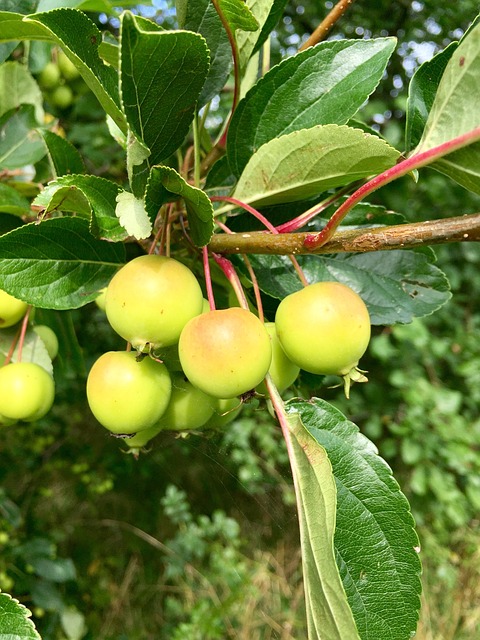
x,y
403,236
327,24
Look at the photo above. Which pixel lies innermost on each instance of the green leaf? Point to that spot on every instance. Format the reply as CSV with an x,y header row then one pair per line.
x,y
13,27
202,18
421,94
396,286
15,623
304,163
165,185
455,112
12,202
246,40
57,264
20,143
17,87
328,613
80,39
63,155
275,15
33,349
305,90
238,15
69,361
162,75
89,196
54,569
375,540
133,216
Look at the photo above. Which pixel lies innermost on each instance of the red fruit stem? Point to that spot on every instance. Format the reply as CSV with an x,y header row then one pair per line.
x,y
236,71
23,331
229,270
208,279
266,223
402,168
11,351
305,217
256,288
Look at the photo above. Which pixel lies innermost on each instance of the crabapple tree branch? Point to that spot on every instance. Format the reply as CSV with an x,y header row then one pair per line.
x,y
402,236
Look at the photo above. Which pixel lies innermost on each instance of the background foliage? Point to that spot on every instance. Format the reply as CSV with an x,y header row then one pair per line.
x,y
199,538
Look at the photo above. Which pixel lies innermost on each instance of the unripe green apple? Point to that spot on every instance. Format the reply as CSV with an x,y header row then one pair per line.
x,y
27,391
68,70
151,299
225,353
49,76
62,96
189,408
11,309
282,370
101,299
324,328
49,339
225,411
127,395
142,438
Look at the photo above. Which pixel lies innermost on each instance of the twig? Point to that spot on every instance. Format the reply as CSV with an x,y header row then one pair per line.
x,y
402,236
327,24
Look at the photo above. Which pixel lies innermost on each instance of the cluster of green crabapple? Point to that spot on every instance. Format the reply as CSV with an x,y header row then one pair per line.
x,y
27,389
190,367
60,80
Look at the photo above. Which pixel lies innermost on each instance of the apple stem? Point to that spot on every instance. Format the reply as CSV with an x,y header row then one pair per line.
x,y
266,223
229,270
208,279
256,288
23,331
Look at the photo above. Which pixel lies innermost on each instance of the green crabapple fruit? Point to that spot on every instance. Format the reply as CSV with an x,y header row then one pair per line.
x,y
11,309
125,394
225,353
189,408
27,391
62,96
49,76
225,411
151,299
68,70
324,328
282,370
49,339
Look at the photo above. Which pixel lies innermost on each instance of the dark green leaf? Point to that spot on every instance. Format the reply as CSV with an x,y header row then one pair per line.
x,y
80,39
304,163
162,75
89,196
55,570
328,612
20,143
375,541
396,286
306,90
12,202
9,222
202,18
70,361
57,264
274,16
65,158
421,94
165,185
15,623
